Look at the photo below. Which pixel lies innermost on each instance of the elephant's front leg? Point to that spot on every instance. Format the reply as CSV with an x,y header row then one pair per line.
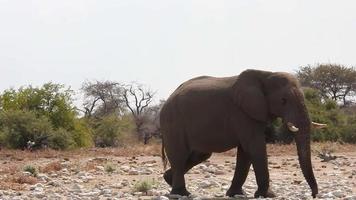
x,y
258,153
243,164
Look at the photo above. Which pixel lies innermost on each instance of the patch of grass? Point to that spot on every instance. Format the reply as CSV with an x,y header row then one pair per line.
x,y
110,168
31,169
144,186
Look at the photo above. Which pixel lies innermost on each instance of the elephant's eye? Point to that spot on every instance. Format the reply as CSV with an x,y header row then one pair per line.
x,y
284,101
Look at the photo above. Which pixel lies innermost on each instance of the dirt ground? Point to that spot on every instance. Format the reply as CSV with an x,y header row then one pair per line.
x,y
115,173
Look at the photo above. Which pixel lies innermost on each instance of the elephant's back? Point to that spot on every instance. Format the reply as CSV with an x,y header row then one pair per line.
x,y
204,84
196,92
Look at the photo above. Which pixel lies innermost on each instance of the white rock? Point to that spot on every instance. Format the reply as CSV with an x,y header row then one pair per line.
x,y
350,197
44,177
77,188
26,173
100,168
338,193
133,172
162,198
205,184
106,191
125,168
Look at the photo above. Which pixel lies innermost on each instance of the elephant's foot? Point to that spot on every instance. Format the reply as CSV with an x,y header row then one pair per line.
x,y
233,191
168,177
180,191
267,194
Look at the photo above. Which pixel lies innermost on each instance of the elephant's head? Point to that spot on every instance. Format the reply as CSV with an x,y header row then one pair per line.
x,y
265,95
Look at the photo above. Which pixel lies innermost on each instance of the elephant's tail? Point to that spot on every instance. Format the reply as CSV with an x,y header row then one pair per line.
x,y
164,158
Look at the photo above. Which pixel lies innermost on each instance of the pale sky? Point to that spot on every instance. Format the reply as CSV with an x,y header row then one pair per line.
x,y
162,43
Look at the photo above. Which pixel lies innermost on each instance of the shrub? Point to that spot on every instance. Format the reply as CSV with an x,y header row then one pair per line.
x,y
110,130
31,169
19,127
82,133
144,186
61,139
110,168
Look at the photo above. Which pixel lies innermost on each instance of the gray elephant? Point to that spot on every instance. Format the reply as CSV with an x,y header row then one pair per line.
x,y
209,114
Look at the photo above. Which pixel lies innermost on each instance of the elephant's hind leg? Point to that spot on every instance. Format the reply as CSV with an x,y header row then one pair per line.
x,y
194,159
241,171
175,175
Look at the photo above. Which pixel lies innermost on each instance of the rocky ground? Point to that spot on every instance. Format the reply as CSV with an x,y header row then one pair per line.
x,y
91,175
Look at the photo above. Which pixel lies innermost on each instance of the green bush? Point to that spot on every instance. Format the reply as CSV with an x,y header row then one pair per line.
x,y
107,132
340,125
31,169
144,186
111,131
82,133
61,139
19,127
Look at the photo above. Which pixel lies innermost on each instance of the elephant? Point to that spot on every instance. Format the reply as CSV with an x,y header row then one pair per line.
x,y
208,115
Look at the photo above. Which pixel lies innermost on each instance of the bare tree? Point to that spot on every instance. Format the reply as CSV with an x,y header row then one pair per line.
x,y
137,99
152,120
102,98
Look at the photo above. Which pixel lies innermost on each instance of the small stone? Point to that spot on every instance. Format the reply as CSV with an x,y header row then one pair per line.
x,y
162,198
125,168
100,168
77,188
338,194
205,184
219,172
133,172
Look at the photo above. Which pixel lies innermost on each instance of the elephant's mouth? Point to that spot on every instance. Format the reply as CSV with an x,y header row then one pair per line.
x,y
294,129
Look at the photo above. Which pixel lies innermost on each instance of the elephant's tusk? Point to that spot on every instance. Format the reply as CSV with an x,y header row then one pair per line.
x,y
318,125
292,128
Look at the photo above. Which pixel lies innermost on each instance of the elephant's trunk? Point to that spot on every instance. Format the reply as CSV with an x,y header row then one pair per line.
x,y
303,147
302,139
299,116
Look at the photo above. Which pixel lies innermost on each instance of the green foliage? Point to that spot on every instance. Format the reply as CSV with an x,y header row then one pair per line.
x,y
61,139
110,130
82,133
340,125
44,115
50,100
31,169
19,127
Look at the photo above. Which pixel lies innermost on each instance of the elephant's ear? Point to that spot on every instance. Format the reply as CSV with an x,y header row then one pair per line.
x,y
252,101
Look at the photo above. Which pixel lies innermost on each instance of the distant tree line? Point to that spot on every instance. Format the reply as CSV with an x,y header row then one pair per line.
x,y
112,114
117,114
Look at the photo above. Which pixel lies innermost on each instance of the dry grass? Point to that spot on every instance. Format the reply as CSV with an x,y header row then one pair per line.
x,y
17,181
51,167
291,149
24,179
9,170
142,150
6,185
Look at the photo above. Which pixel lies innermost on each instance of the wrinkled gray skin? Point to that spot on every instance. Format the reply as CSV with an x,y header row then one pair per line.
x,y
208,114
